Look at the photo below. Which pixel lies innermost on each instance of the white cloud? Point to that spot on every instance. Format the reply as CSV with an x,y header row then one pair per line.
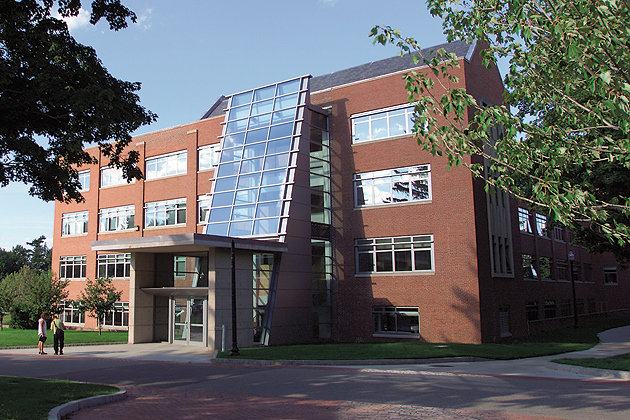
x,y
144,19
76,22
330,3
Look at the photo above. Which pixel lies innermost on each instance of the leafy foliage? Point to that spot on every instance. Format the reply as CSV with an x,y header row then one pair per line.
x,y
98,298
29,292
568,58
38,258
56,97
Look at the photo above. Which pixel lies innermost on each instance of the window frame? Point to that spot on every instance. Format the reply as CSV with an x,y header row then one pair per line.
x,y
380,114
369,181
397,246
116,261
156,208
214,150
542,229
117,214
110,318
382,313
169,161
84,180
70,313
114,177
528,262
610,272
524,221
77,220
72,262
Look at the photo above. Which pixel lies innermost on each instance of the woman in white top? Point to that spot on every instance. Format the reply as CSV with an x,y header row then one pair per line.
x,y
41,331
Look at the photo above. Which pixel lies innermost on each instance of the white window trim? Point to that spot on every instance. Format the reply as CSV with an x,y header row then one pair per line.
x,y
150,160
427,171
83,173
71,262
374,245
112,259
120,179
175,201
72,217
376,112
215,151
117,212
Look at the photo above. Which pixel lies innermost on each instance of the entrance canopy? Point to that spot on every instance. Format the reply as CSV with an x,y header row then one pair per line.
x,y
185,244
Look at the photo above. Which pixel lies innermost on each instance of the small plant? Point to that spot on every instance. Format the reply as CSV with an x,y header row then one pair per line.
x,y
98,298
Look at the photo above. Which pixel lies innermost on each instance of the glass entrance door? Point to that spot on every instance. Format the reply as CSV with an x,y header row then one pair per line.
x,y
188,320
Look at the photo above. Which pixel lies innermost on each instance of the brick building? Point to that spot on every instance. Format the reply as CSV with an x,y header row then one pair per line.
x,y
314,199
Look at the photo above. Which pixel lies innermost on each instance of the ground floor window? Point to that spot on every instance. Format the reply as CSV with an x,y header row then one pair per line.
x,y
71,314
119,317
396,320
531,310
504,321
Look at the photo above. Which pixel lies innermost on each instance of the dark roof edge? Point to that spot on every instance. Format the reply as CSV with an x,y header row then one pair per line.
x,y
213,107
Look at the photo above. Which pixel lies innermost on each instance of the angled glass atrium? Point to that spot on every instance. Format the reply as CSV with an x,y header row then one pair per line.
x,y
252,185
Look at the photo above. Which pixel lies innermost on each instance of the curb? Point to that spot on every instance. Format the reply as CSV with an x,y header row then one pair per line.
x,y
440,360
58,413
580,370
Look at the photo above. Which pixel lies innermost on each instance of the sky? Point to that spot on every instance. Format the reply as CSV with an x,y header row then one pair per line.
x,y
187,53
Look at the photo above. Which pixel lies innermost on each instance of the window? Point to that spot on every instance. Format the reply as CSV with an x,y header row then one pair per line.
x,y
118,317
165,213
203,207
610,275
72,267
392,186
394,320
531,310
576,271
382,124
114,266
529,271
544,266
166,165
523,220
504,321
84,180
71,314
558,233
111,177
565,307
550,308
561,270
209,156
588,273
541,225
179,266
117,218
400,254
74,223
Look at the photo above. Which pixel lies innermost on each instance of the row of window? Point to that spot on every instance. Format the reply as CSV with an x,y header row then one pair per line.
x,y
553,309
118,317
157,167
545,268
525,225
115,266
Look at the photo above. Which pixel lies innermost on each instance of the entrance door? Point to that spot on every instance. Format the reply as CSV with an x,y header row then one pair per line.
x,y
188,321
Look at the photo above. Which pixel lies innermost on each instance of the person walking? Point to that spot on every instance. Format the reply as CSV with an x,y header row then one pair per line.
x,y
57,327
41,331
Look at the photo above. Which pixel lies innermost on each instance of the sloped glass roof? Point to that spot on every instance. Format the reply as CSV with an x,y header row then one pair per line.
x,y
251,188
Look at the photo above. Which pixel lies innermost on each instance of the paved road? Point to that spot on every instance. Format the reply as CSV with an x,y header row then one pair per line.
x,y
174,389
166,382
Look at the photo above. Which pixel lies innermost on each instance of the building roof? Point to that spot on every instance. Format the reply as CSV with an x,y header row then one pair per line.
x,y
363,72
386,66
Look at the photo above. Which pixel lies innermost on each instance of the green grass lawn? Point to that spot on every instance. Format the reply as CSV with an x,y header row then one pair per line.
x,y
555,342
30,398
620,362
18,338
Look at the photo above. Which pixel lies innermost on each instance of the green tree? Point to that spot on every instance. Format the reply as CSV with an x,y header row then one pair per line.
x,y
57,97
11,261
568,57
40,256
7,297
33,292
98,298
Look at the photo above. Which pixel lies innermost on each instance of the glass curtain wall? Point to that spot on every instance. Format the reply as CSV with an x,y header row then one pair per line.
x,y
321,249
260,144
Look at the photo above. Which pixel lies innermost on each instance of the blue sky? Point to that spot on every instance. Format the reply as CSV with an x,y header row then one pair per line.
x,y
188,53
